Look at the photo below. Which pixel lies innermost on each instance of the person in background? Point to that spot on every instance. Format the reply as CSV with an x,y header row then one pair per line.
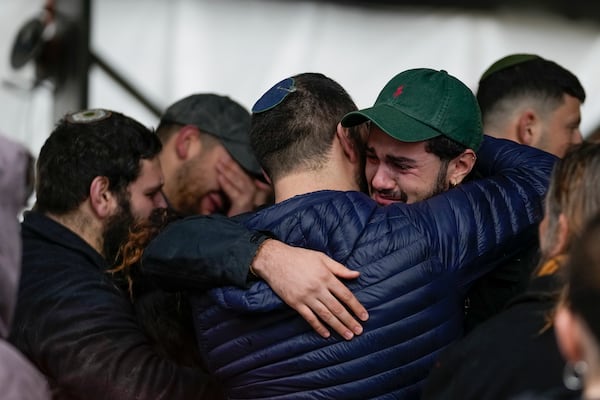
x,y
97,172
577,321
206,158
19,379
532,101
515,351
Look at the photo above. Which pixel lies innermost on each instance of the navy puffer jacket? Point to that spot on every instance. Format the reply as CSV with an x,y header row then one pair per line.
x,y
416,261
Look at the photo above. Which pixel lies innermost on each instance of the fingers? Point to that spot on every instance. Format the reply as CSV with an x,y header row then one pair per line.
x,y
332,297
234,176
236,185
340,270
313,321
341,291
319,315
333,314
264,193
229,167
305,281
244,192
345,296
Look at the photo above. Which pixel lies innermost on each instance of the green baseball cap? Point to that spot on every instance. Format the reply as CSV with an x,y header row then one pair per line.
x,y
420,104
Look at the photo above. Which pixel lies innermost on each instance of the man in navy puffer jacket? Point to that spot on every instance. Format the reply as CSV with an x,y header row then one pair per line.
x,y
416,260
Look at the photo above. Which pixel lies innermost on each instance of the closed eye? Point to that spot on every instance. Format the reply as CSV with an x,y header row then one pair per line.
x,y
371,157
402,167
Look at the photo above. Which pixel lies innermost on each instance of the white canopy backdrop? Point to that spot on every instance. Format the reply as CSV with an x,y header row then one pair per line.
x,y
171,48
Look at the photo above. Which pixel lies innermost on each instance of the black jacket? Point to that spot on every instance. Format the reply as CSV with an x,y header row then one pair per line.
x,y
492,292
81,331
506,356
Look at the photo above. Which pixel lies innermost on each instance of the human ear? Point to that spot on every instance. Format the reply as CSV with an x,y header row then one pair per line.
x,y
526,127
461,166
349,145
102,200
185,139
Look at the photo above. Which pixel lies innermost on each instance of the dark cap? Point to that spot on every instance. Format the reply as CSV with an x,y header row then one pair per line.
x,y
222,118
507,62
420,104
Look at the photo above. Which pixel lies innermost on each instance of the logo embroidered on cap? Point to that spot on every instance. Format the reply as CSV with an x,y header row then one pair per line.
x,y
398,91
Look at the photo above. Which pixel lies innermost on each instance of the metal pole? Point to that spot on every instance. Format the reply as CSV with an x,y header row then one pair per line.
x,y
71,56
117,77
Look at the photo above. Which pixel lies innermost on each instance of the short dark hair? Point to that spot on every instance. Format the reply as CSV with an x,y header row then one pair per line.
x,y
165,130
537,77
299,131
77,151
444,148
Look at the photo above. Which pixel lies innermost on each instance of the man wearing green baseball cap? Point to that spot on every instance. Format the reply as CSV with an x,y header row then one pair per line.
x,y
425,127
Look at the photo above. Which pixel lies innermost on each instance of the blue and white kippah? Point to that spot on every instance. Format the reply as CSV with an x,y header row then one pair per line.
x,y
274,96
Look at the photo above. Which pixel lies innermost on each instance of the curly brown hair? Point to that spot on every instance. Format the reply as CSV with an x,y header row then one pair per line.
x,y
131,251
165,316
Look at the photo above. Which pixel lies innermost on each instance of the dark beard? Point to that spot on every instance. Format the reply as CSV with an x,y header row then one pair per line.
x,y
116,231
440,183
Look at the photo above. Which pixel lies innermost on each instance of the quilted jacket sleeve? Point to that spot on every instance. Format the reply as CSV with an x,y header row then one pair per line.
x,y
476,225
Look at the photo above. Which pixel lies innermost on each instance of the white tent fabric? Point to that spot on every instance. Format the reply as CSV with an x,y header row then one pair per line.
x,y
171,48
